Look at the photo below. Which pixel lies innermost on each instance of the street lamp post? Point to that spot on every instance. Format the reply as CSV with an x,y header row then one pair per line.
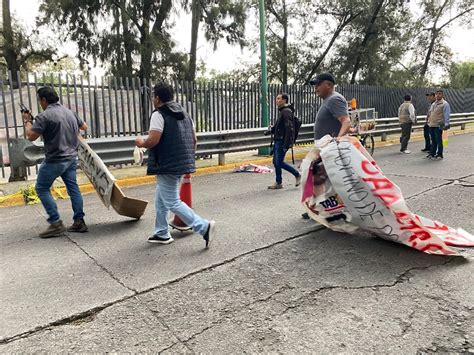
x,y
263,81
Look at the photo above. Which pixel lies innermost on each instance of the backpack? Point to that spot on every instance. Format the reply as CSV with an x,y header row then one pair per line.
x,y
296,127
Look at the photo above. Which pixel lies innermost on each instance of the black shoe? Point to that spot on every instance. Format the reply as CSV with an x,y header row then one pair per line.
x,y
439,156
305,215
161,239
210,233
79,226
429,156
54,230
426,150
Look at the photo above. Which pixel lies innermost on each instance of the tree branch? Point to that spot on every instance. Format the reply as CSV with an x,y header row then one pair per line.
x,y
455,17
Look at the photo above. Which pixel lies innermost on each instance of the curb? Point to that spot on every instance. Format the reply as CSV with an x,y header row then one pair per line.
x,y
17,198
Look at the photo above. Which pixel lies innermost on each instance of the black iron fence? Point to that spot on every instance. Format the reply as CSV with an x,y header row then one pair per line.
x,y
115,107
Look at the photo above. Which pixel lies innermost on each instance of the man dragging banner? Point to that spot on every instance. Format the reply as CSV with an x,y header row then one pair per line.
x,y
59,128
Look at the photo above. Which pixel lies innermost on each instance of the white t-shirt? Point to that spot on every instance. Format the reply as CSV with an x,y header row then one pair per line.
x,y
157,122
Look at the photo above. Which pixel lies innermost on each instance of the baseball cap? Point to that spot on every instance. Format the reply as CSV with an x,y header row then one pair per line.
x,y
322,77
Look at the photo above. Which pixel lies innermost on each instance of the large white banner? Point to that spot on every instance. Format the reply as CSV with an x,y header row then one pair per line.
x,y
97,172
345,190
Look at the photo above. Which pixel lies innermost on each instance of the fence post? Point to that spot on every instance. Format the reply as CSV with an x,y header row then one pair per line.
x,y
221,159
463,126
384,137
17,174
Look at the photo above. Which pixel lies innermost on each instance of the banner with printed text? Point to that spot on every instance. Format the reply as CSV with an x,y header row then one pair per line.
x,y
97,172
345,190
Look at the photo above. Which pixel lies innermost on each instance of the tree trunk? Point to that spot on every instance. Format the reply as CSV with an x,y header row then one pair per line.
x,y
424,68
11,57
284,64
368,33
127,41
335,35
196,17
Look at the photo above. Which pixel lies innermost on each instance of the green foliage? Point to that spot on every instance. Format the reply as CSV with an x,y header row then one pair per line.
x,y
461,75
130,36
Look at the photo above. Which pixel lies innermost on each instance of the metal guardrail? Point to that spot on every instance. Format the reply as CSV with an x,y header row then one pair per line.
x,y
119,150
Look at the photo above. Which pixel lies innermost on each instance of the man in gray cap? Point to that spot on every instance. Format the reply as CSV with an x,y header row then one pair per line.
x,y
332,117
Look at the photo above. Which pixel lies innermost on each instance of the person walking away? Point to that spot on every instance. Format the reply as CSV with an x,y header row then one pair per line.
x,y
284,135
332,117
171,147
59,128
438,121
426,128
406,118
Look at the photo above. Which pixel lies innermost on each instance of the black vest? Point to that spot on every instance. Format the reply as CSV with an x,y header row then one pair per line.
x,y
174,154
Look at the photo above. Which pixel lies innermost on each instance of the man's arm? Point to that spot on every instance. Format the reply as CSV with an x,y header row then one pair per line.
x,y
195,141
345,125
152,140
411,110
446,114
28,121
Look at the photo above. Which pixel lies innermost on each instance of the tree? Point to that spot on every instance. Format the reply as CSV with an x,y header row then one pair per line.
x,y
20,48
375,44
118,32
301,34
461,75
436,18
221,19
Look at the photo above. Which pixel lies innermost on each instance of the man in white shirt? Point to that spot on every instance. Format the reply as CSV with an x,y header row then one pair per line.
x,y
406,117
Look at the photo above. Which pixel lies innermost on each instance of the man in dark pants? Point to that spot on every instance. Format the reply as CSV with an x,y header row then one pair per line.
x,y
438,122
426,127
172,144
406,117
59,127
284,135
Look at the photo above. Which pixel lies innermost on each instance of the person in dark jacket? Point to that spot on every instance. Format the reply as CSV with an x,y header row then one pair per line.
x,y
284,135
171,143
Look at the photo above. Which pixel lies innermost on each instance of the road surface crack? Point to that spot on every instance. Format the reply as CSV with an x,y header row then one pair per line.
x,y
107,271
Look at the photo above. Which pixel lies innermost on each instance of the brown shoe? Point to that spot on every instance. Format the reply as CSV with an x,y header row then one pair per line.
x,y
275,186
79,226
54,230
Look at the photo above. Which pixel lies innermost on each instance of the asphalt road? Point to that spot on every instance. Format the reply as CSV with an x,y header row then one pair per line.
x,y
271,282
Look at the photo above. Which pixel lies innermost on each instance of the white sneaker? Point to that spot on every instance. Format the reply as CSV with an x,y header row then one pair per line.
x,y
405,151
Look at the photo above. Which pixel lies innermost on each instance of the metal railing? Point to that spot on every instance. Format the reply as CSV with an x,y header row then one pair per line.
x,y
119,150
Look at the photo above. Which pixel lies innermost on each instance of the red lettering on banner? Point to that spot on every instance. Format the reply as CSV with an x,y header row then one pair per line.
x,y
365,165
380,183
409,223
388,199
437,247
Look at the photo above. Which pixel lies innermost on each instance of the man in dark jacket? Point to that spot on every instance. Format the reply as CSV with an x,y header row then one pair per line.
x,y
284,136
171,143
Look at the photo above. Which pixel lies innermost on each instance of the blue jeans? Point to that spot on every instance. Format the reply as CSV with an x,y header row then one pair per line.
x,y
436,135
48,172
279,153
167,199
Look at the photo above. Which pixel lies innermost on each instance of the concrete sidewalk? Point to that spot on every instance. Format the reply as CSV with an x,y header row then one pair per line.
x,y
132,175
